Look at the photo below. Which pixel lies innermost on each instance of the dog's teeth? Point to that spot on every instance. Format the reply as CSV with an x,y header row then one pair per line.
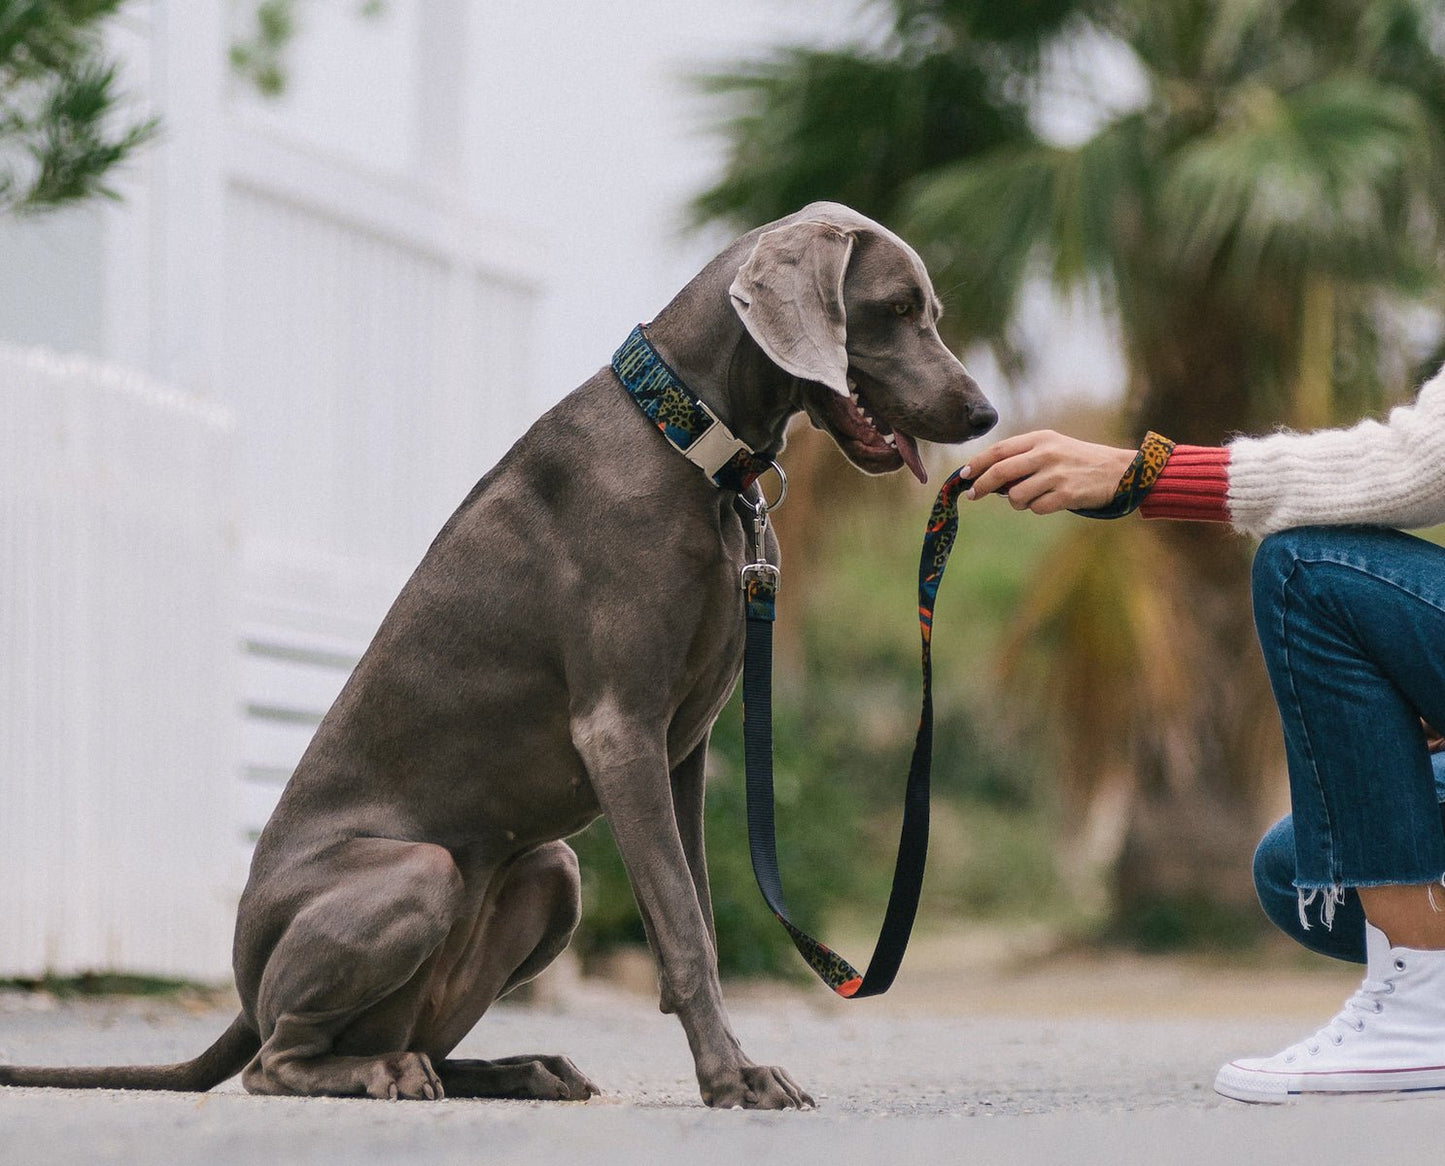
x,y
891,440
853,387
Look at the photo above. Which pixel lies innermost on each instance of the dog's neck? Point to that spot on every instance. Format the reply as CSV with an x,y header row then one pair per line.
x,y
690,424
708,347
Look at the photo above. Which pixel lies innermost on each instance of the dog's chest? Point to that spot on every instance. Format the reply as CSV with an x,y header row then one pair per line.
x,y
714,653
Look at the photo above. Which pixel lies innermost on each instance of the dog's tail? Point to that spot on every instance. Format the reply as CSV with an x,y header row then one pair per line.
x,y
225,1058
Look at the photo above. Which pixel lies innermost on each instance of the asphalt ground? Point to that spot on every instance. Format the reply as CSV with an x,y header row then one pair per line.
x,y
1032,1058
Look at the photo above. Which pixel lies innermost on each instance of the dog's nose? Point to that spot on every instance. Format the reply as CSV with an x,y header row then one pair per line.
x,y
981,417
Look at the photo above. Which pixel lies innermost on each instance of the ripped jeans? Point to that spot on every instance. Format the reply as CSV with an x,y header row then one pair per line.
x,y
1351,621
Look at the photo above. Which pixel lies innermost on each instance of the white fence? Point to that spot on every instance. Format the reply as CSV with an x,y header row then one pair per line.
x,y
181,597
118,675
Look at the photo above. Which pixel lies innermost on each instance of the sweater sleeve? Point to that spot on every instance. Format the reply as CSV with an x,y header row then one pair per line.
x,y
1380,473
1193,486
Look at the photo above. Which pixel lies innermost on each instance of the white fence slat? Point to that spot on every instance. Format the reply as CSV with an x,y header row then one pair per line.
x,y
289,685
288,681
118,742
273,745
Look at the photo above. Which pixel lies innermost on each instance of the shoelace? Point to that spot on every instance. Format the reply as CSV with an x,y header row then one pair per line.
x,y
1351,1018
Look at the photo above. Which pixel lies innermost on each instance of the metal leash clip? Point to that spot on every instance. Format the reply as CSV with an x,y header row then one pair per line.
x,y
760,579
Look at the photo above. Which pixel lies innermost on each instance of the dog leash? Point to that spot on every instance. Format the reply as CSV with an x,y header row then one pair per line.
x,y
760,589
695,431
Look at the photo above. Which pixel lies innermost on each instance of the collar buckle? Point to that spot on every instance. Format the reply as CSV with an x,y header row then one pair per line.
x,y
715,446
684,418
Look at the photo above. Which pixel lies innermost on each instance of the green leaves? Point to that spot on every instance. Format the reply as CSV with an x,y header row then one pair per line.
x,y
986,226
261,57
61,130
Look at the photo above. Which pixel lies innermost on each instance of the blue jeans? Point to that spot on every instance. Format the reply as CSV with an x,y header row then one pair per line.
x,y
1351,621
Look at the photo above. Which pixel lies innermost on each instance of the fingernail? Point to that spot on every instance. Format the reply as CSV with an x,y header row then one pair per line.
x,y
970,494
964,473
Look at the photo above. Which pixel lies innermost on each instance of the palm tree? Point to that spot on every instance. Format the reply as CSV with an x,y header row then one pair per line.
x,y
856,125
1255,223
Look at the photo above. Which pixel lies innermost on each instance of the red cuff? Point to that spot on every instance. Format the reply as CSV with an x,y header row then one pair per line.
x,y
1193,486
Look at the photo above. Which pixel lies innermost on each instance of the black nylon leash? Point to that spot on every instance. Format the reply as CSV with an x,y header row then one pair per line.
x,y
760,587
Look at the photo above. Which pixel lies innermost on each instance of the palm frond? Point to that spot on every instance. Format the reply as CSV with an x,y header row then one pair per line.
x,y
980,226
1316,180
852,126
984,225
1019,30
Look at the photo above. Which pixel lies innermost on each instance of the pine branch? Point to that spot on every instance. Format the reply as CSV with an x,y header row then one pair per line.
x,y
61,132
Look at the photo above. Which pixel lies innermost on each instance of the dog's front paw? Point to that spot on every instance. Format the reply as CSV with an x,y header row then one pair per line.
x,y
755,1087
405,1076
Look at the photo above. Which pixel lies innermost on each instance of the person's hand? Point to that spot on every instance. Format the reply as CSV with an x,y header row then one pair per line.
x,y
1047,472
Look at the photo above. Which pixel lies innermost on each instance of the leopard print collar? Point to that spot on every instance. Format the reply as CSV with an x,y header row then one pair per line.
x,y
692,429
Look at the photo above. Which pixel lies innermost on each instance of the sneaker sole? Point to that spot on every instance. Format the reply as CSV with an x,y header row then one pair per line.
x,y
1265,1087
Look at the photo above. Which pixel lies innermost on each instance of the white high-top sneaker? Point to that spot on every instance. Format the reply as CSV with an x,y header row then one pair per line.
x,y
1388,1038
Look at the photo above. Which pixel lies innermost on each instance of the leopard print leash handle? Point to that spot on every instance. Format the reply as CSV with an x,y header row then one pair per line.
x,y
760,595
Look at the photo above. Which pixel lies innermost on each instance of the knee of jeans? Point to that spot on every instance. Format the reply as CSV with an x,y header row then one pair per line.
x,y
1277,559
1277,554
1274,559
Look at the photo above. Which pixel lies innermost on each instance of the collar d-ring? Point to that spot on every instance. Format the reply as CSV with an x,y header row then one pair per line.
x,y
762,506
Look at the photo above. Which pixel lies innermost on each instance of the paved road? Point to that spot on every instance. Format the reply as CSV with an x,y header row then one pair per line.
x,y
898,1081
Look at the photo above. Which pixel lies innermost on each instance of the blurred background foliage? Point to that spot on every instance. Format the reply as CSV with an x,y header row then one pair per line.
x,y
1258,200
62,125
67,126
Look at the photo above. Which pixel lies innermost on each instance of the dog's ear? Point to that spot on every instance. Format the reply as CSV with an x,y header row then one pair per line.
x,y
789,294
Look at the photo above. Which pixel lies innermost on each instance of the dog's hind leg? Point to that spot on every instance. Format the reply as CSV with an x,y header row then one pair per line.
x,y
375,910
526,919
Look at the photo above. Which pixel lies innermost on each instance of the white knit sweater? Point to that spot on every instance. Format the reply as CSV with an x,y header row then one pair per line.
x,y
1380,473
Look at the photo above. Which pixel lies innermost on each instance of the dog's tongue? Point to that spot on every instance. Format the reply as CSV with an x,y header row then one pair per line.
x,y
908,451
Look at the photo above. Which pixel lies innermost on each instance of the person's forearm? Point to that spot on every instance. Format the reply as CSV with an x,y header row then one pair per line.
x,y
1381,473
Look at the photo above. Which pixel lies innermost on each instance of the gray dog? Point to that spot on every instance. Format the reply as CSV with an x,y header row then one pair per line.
x,y
562,652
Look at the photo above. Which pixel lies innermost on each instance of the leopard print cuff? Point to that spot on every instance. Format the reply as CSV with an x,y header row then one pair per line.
x,y
1138,479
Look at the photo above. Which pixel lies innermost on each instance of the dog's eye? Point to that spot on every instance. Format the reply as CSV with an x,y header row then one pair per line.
x,y
902,308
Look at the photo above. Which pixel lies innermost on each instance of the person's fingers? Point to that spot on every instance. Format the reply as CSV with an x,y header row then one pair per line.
x,y
1025,492
980,462
1051,501
1005,471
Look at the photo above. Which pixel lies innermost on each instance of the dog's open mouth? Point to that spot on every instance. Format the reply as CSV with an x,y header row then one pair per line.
x,y
867,439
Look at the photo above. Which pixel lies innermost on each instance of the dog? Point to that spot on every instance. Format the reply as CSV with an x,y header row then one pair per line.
x,y
561,652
